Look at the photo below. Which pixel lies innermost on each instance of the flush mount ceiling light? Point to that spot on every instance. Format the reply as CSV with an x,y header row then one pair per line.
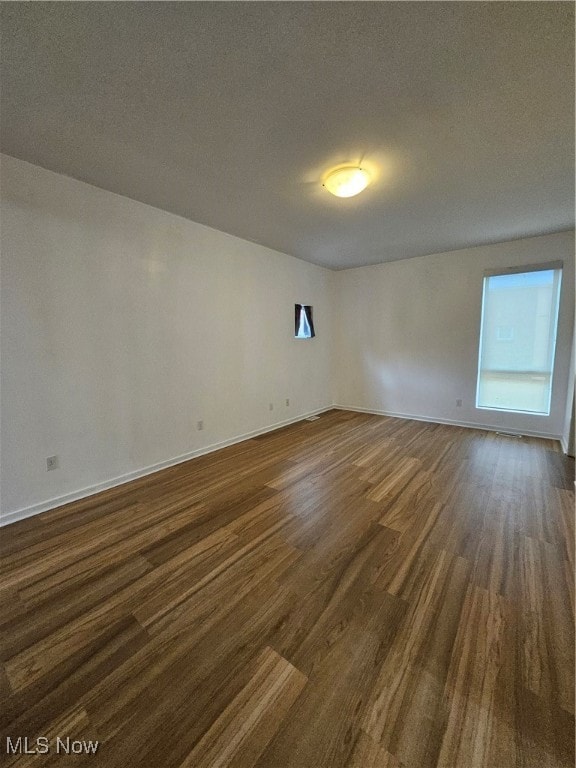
x,y
346,181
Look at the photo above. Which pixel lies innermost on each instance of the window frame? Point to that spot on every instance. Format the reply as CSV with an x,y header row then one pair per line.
x,y
524,269
303,311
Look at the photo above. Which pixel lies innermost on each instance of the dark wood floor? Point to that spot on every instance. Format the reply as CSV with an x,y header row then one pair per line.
x,y
355,591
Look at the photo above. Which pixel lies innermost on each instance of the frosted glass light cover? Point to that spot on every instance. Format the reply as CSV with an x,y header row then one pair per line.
x,y
347,181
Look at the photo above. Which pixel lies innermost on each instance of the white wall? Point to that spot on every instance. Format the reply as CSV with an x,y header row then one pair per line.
x,y
568,436
123,325
408,333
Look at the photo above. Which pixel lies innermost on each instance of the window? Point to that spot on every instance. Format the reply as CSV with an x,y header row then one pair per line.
x,y
518,339
303,327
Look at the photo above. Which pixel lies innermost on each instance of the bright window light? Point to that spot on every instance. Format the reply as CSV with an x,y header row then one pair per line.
x,y
518,341
304,327
303,324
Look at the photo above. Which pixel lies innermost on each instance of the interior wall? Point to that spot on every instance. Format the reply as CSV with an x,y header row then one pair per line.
x,y
568,434
409,330
123,326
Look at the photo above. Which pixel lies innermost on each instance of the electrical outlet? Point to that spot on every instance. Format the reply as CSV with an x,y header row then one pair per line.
x,y
200,424
458,403
270,406
287,402
52,463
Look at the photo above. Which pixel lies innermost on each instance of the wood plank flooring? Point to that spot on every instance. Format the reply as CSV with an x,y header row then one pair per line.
x,y
352,592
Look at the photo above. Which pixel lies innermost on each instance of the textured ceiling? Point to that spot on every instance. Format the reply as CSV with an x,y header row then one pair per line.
x,y
228,113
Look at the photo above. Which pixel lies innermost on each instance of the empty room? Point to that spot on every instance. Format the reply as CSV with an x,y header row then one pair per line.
x,y
287,384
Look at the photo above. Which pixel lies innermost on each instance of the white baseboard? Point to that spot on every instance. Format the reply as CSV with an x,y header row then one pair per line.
x,y
6,518
451,422
564,444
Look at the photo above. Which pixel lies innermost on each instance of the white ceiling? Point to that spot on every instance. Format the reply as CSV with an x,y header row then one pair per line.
x,y
228,113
